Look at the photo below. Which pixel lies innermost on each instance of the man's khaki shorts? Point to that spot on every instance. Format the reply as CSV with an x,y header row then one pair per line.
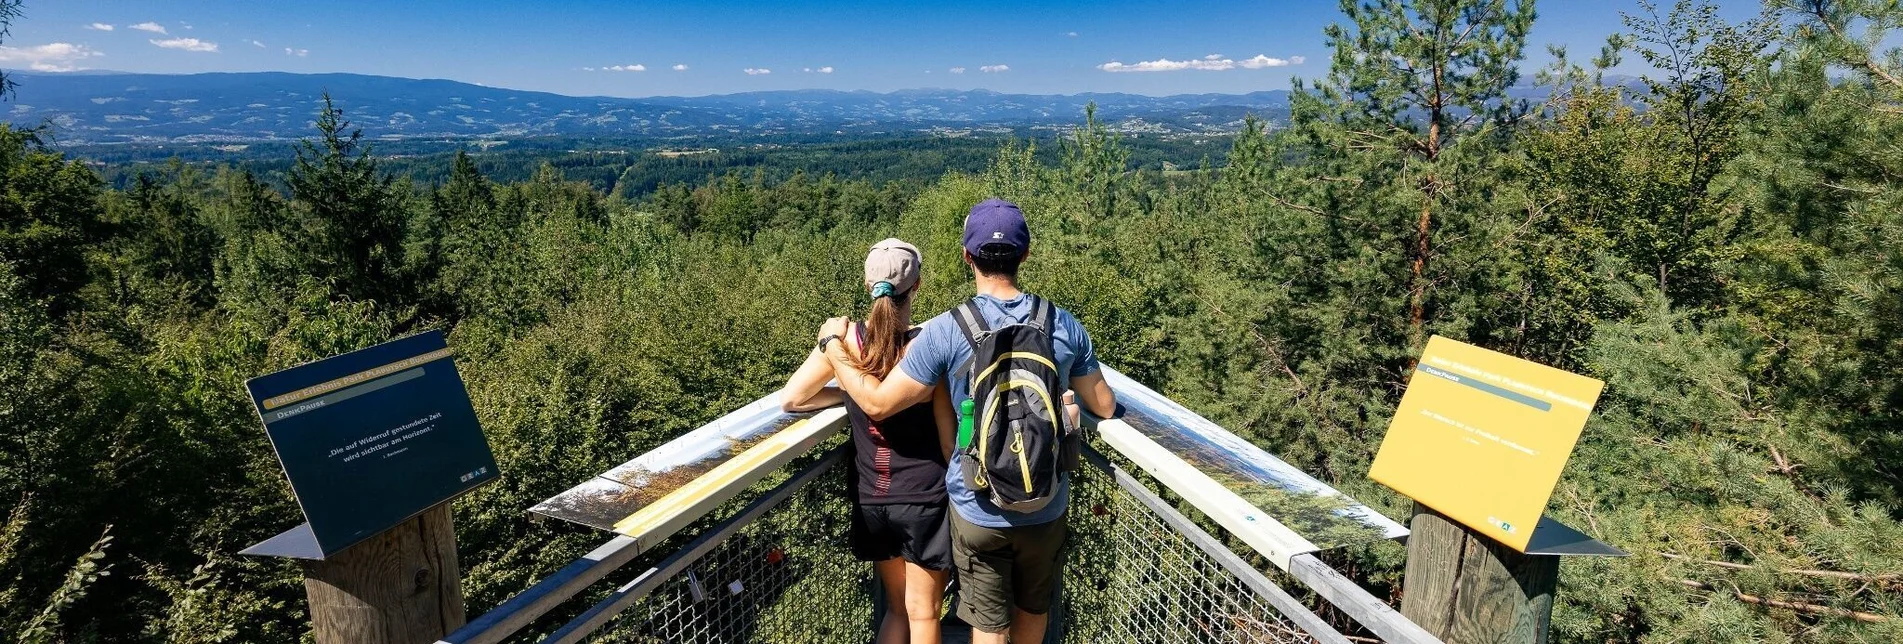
x,y
1004,568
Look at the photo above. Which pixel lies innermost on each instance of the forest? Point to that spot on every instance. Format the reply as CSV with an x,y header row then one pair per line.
x,y
1721,244
634,167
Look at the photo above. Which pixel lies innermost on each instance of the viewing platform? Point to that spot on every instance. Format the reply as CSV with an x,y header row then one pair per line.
x,y
1180,532
1177,529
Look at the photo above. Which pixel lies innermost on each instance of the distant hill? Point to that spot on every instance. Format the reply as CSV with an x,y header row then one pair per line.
x,y
118,107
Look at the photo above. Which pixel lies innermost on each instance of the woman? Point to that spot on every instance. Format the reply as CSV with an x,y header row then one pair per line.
x,y
899,517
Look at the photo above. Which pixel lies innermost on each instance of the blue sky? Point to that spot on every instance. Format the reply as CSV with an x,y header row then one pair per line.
x,y
692,48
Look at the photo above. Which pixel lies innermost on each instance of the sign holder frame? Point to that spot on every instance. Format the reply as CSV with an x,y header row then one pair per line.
x,y
1462,583
401,582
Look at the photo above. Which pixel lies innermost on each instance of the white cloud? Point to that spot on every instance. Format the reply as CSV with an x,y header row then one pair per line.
x,y
588,69
626,68
680,68
826,70
1261,62
957,70
752,71
808,70
50,57
189,44
990,69
1210,63
1072,34
149,26
300,53
255,43
1167,65
99,26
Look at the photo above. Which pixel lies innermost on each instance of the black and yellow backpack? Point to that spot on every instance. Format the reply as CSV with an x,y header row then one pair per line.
x,y
1019,443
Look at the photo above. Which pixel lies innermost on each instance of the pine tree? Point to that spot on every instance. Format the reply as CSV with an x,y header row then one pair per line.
x,y
1415,78
353,222
458,231
48,218
9,9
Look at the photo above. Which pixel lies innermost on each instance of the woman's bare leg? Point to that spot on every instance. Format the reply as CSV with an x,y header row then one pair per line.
x,y
892,577
924,596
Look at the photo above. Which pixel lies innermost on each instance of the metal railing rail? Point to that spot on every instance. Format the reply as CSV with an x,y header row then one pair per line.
x,y
1174,582
1291,608
605,610
516,613
1340,592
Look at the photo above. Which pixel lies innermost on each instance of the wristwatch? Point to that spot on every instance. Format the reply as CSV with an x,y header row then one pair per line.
x,y
826,340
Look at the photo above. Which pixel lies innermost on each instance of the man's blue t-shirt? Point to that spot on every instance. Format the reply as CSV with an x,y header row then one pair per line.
x,y
941,348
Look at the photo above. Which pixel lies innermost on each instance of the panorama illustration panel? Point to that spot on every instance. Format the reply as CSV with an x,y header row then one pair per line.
x,y
1319,513
1313,509
611,496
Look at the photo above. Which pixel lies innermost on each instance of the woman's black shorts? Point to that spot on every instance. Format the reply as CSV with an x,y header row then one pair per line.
x,y
919,533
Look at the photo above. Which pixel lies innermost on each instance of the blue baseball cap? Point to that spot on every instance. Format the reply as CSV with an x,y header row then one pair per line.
x,y
996,229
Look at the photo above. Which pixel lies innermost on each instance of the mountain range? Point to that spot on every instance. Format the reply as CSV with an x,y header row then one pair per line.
x,y
154,108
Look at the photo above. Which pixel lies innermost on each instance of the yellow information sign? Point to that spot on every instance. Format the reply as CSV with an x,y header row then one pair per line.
x,y
1481,437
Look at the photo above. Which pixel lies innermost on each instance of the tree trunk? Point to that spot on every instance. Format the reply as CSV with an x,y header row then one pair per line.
x,y
1417,296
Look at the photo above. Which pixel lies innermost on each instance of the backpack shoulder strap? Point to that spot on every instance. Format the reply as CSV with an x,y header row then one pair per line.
x,y
1043,314
970,321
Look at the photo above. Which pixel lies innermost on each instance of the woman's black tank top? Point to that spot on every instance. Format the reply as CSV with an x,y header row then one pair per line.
x,y
896,460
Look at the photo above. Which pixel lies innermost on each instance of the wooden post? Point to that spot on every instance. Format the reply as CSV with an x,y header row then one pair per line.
x,y
400,587
1465,587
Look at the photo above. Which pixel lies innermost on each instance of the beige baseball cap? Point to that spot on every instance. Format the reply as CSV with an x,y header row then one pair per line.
x,y
894,263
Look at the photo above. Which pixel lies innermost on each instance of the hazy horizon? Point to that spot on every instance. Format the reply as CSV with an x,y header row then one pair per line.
x,y
624,50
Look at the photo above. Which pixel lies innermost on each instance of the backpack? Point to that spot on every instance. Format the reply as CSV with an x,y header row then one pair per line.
x,y
1019,443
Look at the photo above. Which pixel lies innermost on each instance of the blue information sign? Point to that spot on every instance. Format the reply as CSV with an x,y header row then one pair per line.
x,y
370,439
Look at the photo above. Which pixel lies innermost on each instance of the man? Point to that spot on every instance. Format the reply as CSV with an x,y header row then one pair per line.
x,y
1008,562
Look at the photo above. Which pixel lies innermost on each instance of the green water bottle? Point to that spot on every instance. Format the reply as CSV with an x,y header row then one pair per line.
x,y
964,423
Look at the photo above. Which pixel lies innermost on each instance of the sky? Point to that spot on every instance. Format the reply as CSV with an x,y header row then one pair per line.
x,y
631,49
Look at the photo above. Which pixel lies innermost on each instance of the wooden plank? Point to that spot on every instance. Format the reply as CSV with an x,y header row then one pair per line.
x,y
1241,518
667,515
1354,601
399,587
1466,587
1290,607
602,612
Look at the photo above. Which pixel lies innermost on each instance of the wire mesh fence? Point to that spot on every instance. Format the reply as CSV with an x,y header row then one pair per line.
x,y
1134,577
789,577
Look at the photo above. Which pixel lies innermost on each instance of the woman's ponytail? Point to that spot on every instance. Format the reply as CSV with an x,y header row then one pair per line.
x,y
886,326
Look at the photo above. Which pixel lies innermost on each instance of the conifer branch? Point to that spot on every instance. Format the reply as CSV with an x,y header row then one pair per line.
x,y
1275,353
1886,580
1820,9
1802,607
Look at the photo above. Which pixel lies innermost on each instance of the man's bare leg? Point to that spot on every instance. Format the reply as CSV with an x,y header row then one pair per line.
x,y
1027,628
895,628
981,637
